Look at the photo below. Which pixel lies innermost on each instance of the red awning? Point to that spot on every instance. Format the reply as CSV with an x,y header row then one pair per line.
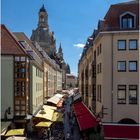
x,y
85,118
114,131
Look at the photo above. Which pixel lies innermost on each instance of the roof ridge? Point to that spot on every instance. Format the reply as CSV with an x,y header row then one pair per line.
x,y
127,2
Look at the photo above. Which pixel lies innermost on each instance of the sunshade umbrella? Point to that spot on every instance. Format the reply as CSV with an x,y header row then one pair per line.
x,y
44,124
14,132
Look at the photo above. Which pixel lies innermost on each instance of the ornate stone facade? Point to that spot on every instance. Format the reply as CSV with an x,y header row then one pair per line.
x,y
46,40
42,34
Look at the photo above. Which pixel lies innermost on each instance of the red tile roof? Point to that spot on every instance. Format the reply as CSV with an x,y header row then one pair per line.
x,y
9,45
22,37
121,131
112,17
85,118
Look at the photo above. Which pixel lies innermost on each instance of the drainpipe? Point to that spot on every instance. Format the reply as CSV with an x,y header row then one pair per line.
x,y
112,78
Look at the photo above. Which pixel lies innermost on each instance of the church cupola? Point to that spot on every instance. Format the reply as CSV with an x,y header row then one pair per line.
x,y
42,9
43,18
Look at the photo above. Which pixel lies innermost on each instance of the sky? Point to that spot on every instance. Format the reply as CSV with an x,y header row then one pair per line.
x,y
71,20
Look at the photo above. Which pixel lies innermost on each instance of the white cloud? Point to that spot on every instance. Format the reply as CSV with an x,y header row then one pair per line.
x,y
79,45
80,54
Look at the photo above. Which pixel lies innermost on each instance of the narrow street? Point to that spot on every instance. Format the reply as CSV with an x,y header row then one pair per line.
x,y
71,129
67,126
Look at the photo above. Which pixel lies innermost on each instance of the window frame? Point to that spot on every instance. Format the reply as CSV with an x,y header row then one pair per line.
x,y
100,67
118,45
118,93
100,46
133,22
131,89
98,51
136,44
136,66
125,66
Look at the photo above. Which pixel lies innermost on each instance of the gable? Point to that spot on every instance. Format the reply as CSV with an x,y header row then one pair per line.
x,y
9,45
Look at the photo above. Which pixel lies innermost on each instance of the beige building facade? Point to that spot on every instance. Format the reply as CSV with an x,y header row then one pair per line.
x,y
35,70
71,81
36,82
52,78
108,69
7,77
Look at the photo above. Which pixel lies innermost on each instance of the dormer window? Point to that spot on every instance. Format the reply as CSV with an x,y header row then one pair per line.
x,y
127,20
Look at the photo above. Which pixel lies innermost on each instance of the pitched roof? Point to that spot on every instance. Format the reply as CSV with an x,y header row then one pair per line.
x,y
128,2
22,37
114,12
9,44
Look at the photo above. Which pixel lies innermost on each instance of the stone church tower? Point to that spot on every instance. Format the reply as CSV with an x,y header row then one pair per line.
x,y
62,65
46,40
60,53
42,35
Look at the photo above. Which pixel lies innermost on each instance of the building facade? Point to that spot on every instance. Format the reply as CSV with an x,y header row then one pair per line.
x,y
71,81
15,75
108,68
36,72
33,77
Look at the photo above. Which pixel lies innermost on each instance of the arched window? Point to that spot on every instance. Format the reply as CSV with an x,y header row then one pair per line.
x,y
127,20
127,121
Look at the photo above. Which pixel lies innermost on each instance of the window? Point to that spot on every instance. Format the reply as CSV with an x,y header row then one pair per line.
x,y
100,67
19,88
132,44
121,44
99,93
132,94
20,107
121,94
121,66
20,67
16,58
127,20
94,92
97,68
100,48
22,59
132,66
97,50
94,70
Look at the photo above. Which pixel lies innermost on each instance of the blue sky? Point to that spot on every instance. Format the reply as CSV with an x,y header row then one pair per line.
x,y
71,20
